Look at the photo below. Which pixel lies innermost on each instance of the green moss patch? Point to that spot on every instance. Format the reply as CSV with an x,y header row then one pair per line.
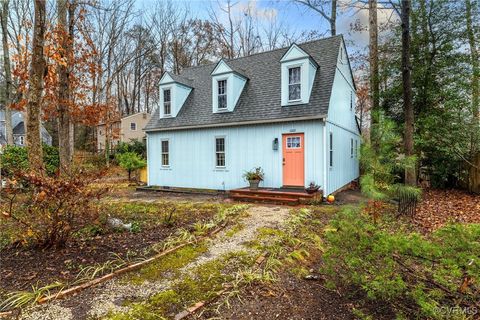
x,y
202,283
234,230
170,263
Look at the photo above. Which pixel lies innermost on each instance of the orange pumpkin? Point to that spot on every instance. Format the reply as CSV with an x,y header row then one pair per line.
x,y
330,199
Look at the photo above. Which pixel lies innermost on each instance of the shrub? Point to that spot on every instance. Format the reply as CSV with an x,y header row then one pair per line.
x,y
135,146
419,277
15,158
50,209
382,162
51,159
130,161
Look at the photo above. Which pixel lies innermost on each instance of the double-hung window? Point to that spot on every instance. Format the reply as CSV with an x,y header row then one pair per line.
x,y
294,84
222,94
167,102
220,152
331,149
351,148
165,153
356,149
133,126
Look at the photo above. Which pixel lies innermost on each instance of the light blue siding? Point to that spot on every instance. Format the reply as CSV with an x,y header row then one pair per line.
x,y
237,88
342,124
192,155
345,168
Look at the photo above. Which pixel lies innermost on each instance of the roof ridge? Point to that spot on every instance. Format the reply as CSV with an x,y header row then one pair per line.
x,y
263,52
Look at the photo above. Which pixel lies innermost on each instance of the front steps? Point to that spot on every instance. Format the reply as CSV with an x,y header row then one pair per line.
x,y
275,196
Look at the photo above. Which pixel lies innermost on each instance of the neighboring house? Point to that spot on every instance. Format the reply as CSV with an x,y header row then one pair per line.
x,y
127,129
290,111
19,133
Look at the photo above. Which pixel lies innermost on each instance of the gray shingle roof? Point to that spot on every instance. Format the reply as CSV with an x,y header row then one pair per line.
x,y
232,66
260,99
180,79
19,129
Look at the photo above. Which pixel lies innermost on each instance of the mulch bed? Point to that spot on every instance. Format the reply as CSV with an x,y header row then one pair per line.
x,y
440,207
21,268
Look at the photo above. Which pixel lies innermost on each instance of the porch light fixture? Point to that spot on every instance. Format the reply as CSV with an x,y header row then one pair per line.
x,y
275,144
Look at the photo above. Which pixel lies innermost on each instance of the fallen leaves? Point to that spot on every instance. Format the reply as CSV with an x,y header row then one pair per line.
x,y
440,207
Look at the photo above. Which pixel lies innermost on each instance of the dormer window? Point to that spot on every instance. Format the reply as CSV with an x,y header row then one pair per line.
x,y
294,84
298,71
174,91
167,102
222,94
227,86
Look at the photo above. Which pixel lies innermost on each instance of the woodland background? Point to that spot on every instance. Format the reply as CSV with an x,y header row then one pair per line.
x,y
75,64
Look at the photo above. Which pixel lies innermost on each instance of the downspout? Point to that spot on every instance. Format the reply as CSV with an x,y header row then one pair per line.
x,y
148,159
325,157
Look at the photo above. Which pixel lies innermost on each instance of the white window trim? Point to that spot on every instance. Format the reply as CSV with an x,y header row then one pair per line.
x,y
224,151
163,102
225,94
22,140
135,125
162,153
288,82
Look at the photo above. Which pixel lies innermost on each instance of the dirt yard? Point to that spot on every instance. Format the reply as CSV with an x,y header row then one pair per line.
x,y
263,265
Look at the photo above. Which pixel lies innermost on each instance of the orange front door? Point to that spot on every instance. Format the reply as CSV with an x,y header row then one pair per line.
x,y
293,159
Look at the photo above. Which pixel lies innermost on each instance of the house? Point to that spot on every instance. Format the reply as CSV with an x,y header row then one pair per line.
x,y
290,111
19,133
124,130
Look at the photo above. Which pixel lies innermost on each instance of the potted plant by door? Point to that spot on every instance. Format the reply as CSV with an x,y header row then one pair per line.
x,y
254,177
312,188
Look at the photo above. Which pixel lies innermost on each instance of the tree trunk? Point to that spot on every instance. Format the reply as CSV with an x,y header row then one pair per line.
x,y
410,176
475,63
35,90
8,74
373,57
64,97
333,18
474,173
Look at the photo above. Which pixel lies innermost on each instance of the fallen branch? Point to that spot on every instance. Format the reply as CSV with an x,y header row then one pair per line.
x,y
6,314
135,266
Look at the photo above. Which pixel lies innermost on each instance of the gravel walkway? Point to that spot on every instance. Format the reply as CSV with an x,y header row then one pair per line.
x,y
111,295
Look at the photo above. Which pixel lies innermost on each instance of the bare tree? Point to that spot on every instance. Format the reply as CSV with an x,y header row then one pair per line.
x,y
8,73
326,8
249,34
35,89
373,55
227,34
64,121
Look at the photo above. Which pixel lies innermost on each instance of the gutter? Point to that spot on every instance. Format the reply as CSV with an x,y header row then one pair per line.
x,y
241,123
